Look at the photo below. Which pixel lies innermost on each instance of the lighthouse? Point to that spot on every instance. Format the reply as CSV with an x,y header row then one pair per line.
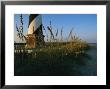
x,y
35,37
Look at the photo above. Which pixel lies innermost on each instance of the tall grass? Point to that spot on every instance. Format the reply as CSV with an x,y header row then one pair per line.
x,y
54,51
73,43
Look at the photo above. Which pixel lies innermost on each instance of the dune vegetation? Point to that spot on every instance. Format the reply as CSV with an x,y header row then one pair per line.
x,y
54,51
54,45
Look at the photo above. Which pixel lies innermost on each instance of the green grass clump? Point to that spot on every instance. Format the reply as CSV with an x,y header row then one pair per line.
x,y
55,51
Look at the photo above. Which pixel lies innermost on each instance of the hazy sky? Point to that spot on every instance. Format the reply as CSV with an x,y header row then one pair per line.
x,y
85,25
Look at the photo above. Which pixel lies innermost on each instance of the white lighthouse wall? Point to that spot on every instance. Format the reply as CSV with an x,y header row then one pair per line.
x,y
35,23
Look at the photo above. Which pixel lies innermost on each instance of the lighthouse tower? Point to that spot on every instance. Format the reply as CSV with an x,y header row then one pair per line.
x,y
35,37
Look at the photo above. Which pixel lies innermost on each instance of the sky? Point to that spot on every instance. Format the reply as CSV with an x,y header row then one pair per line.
x,y
84,25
